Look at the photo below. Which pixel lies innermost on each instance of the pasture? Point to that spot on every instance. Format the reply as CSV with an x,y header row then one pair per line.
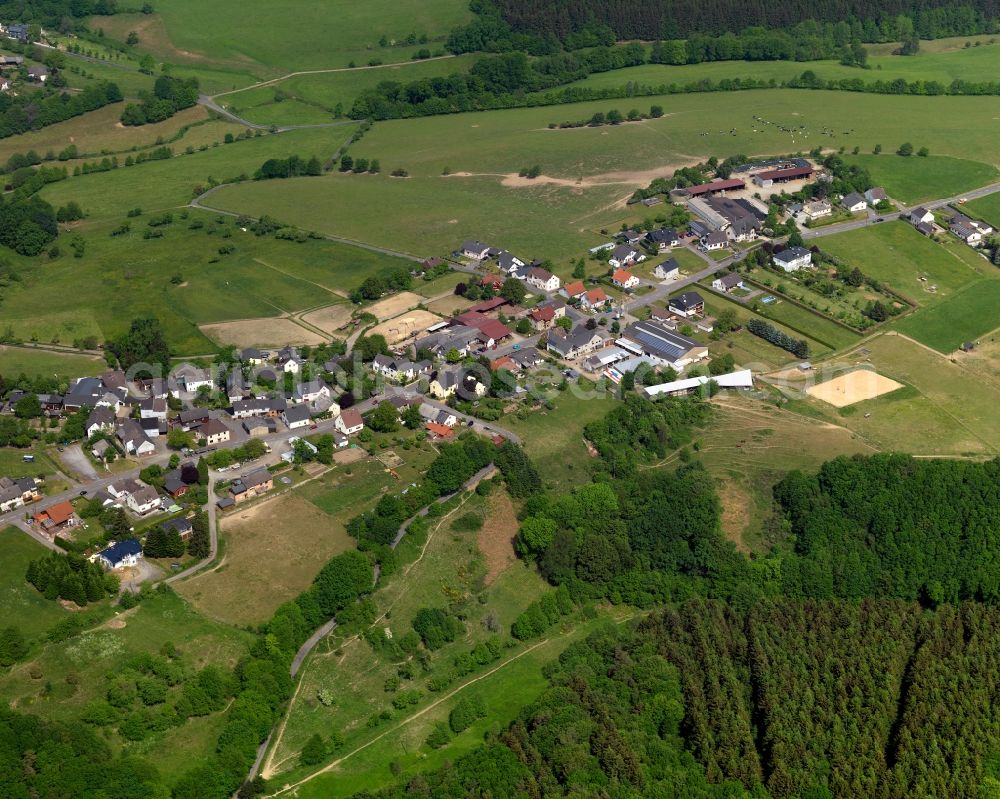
x,y
272,552
913,180
20,604
912,265
43,363
183,280
965,316
987,208
221,35
587,173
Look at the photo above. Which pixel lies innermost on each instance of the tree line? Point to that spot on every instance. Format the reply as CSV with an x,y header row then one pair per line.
x,y
169,96
35,110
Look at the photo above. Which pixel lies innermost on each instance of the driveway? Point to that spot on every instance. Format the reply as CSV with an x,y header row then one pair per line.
x,y
81,467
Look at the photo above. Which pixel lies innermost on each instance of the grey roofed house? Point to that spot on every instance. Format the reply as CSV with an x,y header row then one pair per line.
x,y
260,426
401,401
172,485
926,228
252,354
730,281
297,413
657,340
144,495
151,425
790,254
181,525
253,479
447,378
687,301
310,387
38,72
103,417
566,345
853,199
86,391
664,235
153,405
715,238
507,261
474,245
528,357
623,252
456,337
235,382
193,416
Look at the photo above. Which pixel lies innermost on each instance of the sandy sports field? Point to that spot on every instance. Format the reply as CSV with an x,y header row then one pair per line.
x,y
265,332
331,318
403,327
856,386
396,304
447,306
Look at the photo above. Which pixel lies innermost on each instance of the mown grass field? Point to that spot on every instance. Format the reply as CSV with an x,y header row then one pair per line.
x,y
965,316
20,604
42,363
913,180
121,278
597,168
295,34
896,254
987,208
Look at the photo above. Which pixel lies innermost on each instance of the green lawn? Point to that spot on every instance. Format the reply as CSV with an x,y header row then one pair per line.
x,y
966,315
20,604
913,180
598,167
899,256
987,207
806,323
295,34
120,278
41,363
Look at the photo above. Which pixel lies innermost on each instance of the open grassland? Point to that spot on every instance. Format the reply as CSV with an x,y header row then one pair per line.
x,y
447,571
553,438
42,363
158,185
947,409
122,277
965,316
100,132
588,172
273,550
12,462
913,180
20,604
323,92
748,447
222,35
91,656
899,256
987,208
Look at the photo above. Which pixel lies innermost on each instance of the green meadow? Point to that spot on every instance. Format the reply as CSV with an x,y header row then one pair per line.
x,y
221,35
913,180
595,169
43,363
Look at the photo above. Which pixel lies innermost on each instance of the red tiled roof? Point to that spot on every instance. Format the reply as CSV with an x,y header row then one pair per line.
x,y
492,280
543,314
494,329
58,513
621,276
503,362
439,429
351,417
573,289
488,305
596,295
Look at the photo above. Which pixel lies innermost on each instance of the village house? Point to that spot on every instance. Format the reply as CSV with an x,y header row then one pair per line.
x,y
876,195
578,342
508,262
60,516
236,385
625,255
349,422
250,485
191,418
727,282
854,203
441,416
631,237
921,214
182,525
296,416
17,493
593,299
624,279
120,489
144,500
689,304
663,239
817,209
791,259
311,391
542,279
527,358
492,282
573,290
123,555
252,356
971,231
213,432
152,408
100,420
257,427
189,379
448,382
542,318
401,370
38,73
290,361
134,439
475,250
667,270
438,431
714,240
